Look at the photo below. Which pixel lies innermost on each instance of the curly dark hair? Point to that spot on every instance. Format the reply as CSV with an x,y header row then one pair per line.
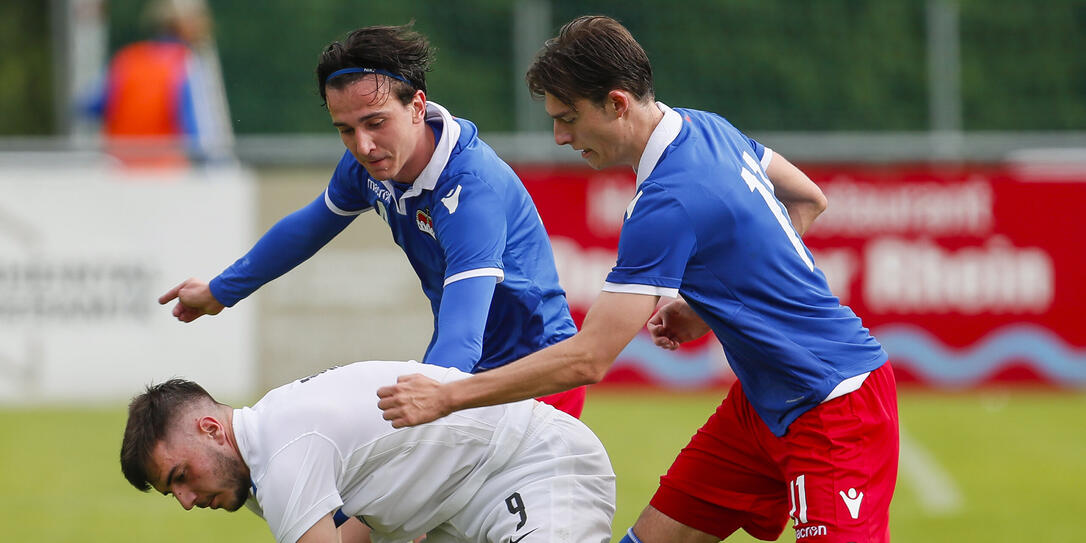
x,y
396,49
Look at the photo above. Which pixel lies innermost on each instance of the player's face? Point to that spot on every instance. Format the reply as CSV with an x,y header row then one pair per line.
x,y
588,128
199,474
385,136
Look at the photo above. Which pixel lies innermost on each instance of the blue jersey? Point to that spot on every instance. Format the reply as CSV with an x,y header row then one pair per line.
x,y
704,223
467,215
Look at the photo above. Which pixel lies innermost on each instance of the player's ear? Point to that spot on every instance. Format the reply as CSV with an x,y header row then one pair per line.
x,y
211,427
418,106
619,101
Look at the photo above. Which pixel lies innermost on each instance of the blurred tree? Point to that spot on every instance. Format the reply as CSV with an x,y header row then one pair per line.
x,y
1023,66
765,64
26,95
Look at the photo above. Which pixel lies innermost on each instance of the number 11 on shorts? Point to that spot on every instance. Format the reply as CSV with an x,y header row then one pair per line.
x,y
797,495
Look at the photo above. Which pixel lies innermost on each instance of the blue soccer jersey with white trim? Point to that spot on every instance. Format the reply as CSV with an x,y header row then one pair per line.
x,y
468,215
704,224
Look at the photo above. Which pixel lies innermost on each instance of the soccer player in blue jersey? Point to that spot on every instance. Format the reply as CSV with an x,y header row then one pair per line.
x,y
465,221
809,431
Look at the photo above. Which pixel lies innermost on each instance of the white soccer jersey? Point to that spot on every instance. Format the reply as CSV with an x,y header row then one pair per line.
x,y
320,444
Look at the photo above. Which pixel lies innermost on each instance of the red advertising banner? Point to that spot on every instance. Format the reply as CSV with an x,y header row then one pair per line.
x,y
968,275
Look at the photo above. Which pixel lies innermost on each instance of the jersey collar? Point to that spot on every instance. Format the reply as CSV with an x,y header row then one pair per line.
x,y
427,180
661,137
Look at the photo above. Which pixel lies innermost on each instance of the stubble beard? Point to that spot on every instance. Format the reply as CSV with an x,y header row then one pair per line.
x,y
235,476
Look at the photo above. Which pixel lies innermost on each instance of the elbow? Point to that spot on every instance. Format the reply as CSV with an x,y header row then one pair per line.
x,y
590,368
586,376
590,374
819,203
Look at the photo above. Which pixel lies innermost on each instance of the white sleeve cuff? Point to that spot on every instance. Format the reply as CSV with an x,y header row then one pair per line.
x,y
478,272
335,209
648,290
767,157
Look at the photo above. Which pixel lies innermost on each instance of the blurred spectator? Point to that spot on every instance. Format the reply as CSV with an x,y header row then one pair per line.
x,y
162,102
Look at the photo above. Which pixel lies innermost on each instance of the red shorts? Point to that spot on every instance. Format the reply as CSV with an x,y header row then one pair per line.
x,y
570,401
833,473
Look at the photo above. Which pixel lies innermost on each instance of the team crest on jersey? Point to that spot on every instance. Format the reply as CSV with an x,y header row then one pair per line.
x,y
425,221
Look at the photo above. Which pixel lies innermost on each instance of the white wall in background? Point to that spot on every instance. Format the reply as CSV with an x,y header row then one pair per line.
x,y
84,255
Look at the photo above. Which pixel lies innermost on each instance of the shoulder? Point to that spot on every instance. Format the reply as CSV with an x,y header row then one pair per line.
x,y
348,167
705,128
698,116
478,168
468,131
473,155
708,147
657,197
350,179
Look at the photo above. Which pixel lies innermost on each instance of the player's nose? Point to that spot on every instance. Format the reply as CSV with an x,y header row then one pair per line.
x,y
561,135
186,498
364,145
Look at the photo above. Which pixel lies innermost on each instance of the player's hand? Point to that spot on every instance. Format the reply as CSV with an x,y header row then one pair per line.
x,y
414,399
194,299
675,323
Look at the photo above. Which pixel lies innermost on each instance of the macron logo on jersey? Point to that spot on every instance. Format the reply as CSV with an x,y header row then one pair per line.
x,y
452,200
630,208
379,191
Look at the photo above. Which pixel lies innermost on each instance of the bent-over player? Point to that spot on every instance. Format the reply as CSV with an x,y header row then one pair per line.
x,y
316,451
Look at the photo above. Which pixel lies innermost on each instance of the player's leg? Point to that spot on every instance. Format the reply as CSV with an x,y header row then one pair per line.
x,y
840,460
723,480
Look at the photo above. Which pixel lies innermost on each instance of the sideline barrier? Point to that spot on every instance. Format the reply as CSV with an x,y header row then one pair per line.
x,y
968,275
84,255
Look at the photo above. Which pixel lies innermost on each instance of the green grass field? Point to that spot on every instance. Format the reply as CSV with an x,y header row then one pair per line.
x,y
981,466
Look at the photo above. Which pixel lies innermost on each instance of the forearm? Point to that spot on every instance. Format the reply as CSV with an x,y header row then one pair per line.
x,y
563,366
287,244
580,360
461,321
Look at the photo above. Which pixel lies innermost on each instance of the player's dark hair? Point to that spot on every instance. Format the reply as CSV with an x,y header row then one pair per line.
x,y
591,56
395,49
149,418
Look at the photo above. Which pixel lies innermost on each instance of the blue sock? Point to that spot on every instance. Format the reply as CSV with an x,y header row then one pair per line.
x,y
630,537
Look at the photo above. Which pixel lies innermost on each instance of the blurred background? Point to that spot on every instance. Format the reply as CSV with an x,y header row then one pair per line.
x,y
949,136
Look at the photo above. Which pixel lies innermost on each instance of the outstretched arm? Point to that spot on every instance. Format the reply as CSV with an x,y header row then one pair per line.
x,y
583,359
288,243
194,299
800,196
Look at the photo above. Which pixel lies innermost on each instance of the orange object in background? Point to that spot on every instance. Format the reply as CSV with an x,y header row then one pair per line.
x,y
141,120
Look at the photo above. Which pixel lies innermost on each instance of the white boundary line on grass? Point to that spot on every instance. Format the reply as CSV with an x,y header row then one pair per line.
x,y
933,485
